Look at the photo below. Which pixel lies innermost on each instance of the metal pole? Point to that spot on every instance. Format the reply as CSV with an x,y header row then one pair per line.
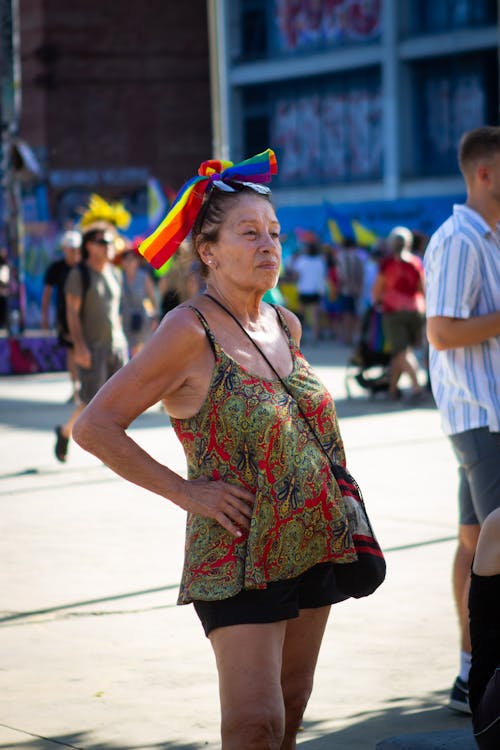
x,y
218,78
10,82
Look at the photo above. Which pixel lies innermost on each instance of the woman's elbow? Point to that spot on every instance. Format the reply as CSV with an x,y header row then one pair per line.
x,y
83,432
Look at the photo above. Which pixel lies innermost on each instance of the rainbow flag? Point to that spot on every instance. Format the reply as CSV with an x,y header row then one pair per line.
x,y
164,241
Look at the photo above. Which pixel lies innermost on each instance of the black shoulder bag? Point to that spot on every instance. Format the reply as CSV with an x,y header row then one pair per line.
x,y
363,576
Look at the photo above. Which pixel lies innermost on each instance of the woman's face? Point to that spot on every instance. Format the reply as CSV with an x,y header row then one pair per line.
x,y
247,253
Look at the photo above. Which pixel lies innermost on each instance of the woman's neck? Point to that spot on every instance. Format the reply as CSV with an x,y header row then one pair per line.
x,y
245,308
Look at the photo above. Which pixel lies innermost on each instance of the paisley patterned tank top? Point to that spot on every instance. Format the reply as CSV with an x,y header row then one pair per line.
x,y
250,432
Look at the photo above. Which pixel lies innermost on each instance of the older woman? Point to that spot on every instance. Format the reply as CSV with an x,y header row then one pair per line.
x,y
265,516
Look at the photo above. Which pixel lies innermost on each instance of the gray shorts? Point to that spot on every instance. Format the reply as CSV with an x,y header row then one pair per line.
x,y
402,329
478,454
104,364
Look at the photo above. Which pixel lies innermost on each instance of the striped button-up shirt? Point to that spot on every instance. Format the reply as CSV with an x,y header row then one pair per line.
x,y
462,276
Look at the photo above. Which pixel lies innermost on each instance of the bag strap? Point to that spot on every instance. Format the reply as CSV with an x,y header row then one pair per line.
x,y
334,466
339,472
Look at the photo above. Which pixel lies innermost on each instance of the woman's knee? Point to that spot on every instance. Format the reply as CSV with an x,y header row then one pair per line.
x,y
259,729
296,699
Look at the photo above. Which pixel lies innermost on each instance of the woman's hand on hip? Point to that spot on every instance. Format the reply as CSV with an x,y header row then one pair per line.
x,y
228,504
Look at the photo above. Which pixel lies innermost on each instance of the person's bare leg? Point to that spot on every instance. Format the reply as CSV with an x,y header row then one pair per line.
x,y
467,541
249,659
300,654
395,372
66,429
73,371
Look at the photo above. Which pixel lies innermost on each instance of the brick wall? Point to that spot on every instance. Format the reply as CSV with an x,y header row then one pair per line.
x,y
117,85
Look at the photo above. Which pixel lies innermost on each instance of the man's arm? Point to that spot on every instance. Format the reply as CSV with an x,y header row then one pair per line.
x,y
46,297
82,353
454,333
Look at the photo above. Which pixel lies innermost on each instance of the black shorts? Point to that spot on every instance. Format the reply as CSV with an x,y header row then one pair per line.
x,y
281,600
310,299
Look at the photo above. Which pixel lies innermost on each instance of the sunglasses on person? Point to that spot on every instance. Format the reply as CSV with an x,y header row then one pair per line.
x,y
103,241
233,186
230,186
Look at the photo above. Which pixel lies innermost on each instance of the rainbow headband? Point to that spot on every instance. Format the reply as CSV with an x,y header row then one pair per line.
x,y
164,241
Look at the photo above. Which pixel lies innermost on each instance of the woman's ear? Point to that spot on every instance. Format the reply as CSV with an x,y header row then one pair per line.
x,y
206,253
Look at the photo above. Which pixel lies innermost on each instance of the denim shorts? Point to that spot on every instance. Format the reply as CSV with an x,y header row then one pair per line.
x,y
281,600
478,454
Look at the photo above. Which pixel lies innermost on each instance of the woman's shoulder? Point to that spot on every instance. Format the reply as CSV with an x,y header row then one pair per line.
x,y
292,322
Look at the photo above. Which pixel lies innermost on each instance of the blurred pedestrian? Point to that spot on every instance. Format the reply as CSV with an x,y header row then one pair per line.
x,y
310,269
484,617
139,308
93,293
462,264
4,288
265,517
53,292
182,280
399,291
351,276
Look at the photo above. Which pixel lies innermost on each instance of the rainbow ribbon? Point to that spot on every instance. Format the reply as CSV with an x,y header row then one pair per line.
x,y
159,247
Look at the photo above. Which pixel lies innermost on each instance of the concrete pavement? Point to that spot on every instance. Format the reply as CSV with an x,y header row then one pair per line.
x,y
96,655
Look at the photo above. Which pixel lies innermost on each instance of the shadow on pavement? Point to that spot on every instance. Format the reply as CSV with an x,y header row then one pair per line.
x,y
406,715
401,716
81,741
43,416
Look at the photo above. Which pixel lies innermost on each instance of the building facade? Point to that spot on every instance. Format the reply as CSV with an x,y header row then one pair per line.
x,y
364,101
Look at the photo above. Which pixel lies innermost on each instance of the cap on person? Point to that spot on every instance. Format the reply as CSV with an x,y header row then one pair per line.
x,y
71,239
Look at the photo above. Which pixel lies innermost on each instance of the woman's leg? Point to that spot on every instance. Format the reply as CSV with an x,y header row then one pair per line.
x,y
265,679
249,660
300,654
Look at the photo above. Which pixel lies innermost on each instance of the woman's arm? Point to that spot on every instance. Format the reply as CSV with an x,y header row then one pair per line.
x,y
175,366
378,289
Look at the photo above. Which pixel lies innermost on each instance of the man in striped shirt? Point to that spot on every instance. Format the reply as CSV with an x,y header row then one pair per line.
x,y
462,267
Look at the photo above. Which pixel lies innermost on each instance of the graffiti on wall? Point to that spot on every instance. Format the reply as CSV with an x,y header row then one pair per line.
x,y
330,136
302,24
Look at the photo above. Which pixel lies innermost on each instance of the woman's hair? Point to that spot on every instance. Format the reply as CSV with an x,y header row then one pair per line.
x,y
212,214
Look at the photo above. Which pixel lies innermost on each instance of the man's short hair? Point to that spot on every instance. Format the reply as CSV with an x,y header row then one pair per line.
x,y
476,145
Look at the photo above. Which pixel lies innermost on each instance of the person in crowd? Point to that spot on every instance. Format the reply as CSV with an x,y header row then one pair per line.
x,y
139,307
399,291
310,269
4,288
54,281
265,519
182,280
351,276
462,265
93,292
484,620
331,300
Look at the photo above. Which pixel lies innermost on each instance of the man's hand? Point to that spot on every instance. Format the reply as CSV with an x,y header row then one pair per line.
x,y
83,357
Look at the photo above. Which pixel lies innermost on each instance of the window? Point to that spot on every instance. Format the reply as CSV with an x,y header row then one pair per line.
x,y
452,96
254,29
272,28
323,131
442,15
